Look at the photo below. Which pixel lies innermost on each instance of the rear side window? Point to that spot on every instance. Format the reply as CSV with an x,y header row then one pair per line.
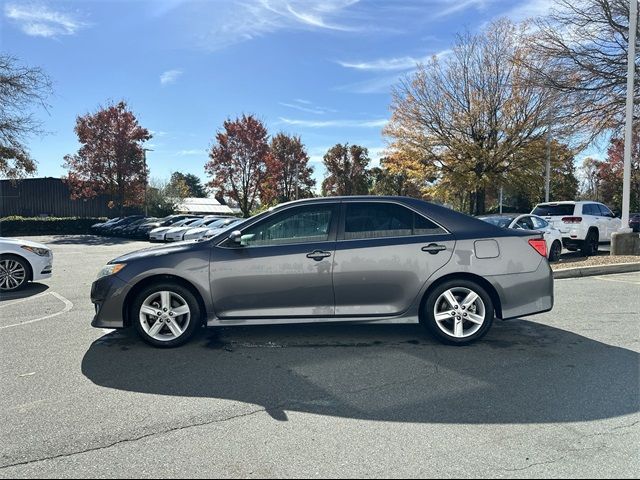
x,y
538,223
591,209
379,220
525,223
562,210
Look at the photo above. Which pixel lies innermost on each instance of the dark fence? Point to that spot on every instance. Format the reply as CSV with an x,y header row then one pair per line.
x,y
35,197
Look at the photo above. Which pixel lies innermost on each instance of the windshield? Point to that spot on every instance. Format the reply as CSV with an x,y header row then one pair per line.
x,y
503,222
558,210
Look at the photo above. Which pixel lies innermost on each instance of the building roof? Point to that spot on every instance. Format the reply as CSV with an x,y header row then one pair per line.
x,y
203,205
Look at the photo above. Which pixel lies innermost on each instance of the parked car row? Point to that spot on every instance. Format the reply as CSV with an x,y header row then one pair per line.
x,y
173,228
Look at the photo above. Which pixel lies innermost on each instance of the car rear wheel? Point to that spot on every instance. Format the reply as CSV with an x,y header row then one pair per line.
x,y
14,273
590,244
555,251
458,312
166,315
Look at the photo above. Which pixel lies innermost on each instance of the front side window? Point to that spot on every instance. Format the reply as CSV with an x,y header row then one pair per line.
x,y
605,212
298,225
379,220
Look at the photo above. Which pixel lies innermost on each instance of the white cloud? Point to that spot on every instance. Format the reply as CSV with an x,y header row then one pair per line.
x,y
188,153
377,123
170,76
529,9
394,63
455,6
39,20
219,24
307,107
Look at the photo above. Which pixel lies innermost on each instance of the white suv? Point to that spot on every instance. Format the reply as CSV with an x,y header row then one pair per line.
x,y
584,225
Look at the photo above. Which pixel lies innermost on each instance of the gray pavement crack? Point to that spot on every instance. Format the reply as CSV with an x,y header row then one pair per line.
x,y
134,439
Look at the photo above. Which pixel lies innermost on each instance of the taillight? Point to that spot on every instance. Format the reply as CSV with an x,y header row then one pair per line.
x,y
571,219
540,245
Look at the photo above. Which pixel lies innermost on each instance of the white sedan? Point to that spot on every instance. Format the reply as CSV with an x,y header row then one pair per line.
x,y
22,261
552,236
158,234
177,233
212,229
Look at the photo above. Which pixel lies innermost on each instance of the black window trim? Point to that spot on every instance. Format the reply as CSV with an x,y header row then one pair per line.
x,y
333,227
343,216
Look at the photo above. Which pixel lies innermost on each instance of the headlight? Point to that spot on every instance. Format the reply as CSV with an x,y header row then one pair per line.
x,y
43,252
110,270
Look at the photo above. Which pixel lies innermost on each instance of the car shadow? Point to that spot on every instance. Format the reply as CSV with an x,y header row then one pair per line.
x,y
29,290
522,372
89,240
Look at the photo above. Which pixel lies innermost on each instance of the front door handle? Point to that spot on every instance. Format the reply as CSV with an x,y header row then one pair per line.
x,y
434,248
318,255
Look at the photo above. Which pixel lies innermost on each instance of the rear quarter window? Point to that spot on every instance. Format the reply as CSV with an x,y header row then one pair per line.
x,y
554,210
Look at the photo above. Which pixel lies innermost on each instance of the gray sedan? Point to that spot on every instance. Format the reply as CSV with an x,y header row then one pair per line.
x,y
350,259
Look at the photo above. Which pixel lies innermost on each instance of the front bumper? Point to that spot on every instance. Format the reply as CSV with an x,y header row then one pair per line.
x,y
108,295
42,267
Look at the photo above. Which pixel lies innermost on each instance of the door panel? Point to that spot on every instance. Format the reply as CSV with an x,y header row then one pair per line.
x,y
384,276
283,269
381,262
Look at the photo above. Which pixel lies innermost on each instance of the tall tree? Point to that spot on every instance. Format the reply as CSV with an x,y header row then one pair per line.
x,y
347,172
111,158
469,115
611,173
238,161
583,47
590,171
288,174
21,88
192,182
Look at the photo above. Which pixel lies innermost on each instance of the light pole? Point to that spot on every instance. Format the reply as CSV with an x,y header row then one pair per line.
x,y
146,180
628,134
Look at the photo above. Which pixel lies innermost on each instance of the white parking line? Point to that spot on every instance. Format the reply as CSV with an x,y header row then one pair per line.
x,y
67,306
24,299
616,280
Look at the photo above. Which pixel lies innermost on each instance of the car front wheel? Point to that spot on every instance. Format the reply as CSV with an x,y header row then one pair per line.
x,y
13,273
458,312
166,315
555,251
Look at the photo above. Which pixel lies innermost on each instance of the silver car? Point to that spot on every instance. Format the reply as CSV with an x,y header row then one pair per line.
x,y
351,259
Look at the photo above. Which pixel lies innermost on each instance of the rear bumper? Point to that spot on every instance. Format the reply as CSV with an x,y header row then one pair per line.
x,y
523,294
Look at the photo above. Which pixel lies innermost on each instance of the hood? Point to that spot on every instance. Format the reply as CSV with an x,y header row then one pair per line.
x,y
160,229
154,252
19,242
177,229
196,230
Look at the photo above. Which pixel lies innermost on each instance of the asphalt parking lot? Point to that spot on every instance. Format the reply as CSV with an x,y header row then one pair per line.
x,y
553,395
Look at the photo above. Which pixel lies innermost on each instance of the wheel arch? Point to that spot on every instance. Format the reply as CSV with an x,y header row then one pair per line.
x,y
20,257
484,283
157,279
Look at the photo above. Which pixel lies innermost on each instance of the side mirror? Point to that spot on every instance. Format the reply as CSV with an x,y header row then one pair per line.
x,y
236,237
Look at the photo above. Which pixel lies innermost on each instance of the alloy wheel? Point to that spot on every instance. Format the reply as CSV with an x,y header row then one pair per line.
x,y
165,315
12,274
459,312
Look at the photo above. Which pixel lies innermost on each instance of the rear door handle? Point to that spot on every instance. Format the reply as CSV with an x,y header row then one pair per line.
x,y
318,255
434,248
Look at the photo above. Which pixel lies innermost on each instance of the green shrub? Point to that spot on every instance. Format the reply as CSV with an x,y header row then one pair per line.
x,y
21,226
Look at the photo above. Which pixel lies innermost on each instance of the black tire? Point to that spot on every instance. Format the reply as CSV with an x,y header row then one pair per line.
x,y
10,267
194,321
556,250
590,244
428,315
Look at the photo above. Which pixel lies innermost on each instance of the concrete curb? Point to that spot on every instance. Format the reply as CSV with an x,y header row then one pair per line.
x,y
596,270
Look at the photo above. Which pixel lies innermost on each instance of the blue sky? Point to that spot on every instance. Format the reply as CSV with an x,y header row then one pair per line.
x,y
321,69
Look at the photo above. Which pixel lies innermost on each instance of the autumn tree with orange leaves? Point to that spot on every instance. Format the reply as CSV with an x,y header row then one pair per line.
x,y
111,158
288,174
238,161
